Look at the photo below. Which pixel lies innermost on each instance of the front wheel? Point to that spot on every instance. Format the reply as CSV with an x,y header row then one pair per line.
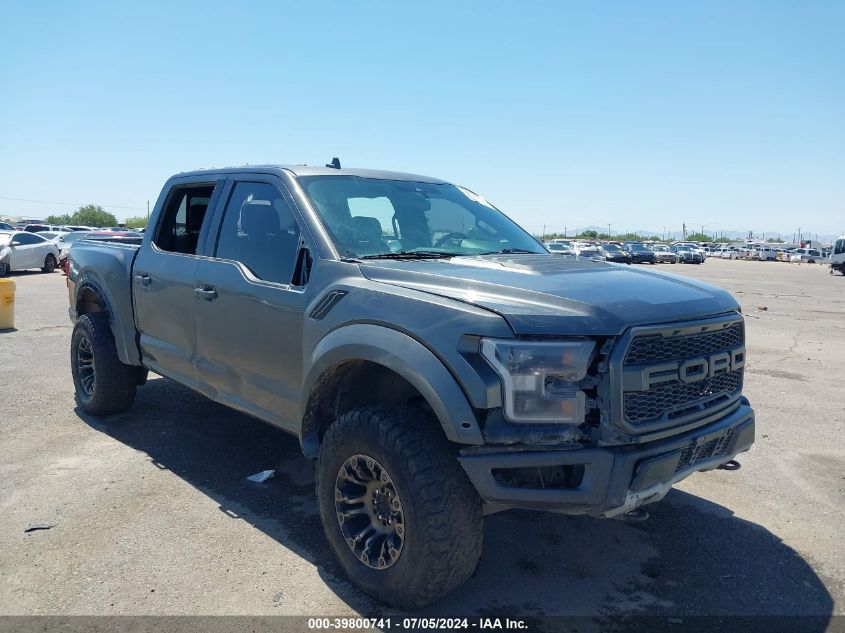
x,y
4,269
103,384
49,264
402,518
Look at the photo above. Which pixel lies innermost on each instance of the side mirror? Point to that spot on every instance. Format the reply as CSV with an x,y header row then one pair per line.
x,y
15,244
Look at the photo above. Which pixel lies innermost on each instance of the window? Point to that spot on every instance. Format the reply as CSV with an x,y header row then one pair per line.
x,y
839,247
373,217
259,231
181,222
29,238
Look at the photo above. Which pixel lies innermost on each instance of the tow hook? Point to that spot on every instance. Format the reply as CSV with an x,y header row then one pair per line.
x,y
731,465
637,515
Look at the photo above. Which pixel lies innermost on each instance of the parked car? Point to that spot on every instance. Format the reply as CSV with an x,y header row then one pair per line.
x,y
728,252
53,236
66,241
559,248
614,253
468,372
687,255
806,256
837,255
20,250
38,228
664,255
584,250
640,253
692,246
5,226
764,253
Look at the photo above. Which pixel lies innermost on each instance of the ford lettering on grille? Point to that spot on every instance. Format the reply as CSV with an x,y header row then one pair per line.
x,y
676,374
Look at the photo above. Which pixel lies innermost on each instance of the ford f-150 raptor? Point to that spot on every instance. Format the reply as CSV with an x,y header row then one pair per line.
x,y
437,362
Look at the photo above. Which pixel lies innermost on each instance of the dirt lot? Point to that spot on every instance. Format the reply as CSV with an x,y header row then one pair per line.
x,y
153,514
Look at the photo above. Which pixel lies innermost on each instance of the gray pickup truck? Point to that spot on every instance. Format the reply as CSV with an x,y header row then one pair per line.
x,y
437,362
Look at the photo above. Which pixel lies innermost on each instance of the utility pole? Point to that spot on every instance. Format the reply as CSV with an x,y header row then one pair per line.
x,y
544,233
685,230
148,211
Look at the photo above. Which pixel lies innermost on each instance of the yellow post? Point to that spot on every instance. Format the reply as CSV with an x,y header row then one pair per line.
x,y
7,304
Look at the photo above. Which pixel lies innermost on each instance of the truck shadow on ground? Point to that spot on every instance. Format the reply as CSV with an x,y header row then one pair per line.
x,y
692,557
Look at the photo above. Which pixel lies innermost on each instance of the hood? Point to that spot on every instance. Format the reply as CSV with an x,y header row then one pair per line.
x,y
547,295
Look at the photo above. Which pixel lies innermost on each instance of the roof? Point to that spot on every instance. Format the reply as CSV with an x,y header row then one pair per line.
x,y
312,170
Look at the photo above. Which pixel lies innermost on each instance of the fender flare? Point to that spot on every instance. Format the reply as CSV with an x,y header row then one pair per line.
x,y
127,350
403,355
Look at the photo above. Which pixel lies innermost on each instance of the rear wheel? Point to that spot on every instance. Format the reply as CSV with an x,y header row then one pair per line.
x,y
49,264
398,510
103,384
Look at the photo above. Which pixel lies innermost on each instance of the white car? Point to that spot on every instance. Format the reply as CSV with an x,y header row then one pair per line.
x,y
20,250
587,251
764,253
53,236
837,257
728,252
806,256
559,247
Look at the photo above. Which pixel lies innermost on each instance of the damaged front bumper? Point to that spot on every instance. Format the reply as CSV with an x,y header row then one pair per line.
x,y
603,481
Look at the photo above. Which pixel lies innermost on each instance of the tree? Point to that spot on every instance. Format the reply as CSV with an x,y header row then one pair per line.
x,y
93,215
699,237
136,223
58,219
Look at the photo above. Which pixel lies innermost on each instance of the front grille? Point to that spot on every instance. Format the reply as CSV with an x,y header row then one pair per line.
x,y
677,397
655,348
693,454
677,374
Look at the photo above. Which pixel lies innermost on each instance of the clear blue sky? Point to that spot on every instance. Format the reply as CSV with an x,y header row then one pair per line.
x,y
645,114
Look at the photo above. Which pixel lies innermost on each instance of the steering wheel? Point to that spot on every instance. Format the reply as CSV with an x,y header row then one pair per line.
x,y
450,236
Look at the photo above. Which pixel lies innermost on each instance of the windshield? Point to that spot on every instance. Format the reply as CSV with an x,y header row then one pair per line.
x,y
72,237
611,248
639,248
557,247
368,217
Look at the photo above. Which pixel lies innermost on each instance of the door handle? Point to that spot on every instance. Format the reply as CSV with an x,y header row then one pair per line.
x,y
142,279
206,292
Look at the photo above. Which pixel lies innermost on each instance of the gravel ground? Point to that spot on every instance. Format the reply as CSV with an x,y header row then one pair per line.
x,y
152,513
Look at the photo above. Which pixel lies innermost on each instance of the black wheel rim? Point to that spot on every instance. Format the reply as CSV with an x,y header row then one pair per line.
x,y
85,366
369,512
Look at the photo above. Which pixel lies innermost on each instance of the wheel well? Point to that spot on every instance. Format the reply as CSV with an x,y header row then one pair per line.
x,y
350,385
88,301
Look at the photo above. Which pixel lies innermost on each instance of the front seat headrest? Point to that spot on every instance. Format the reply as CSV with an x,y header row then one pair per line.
x,y
259,220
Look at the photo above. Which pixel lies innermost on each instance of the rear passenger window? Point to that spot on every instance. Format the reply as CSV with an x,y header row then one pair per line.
x,y
259,231
181,222
27,239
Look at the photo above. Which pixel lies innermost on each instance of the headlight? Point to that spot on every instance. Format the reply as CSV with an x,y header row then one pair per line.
x,y
539,379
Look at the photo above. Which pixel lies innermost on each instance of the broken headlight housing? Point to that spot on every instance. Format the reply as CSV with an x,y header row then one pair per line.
x,y
540,379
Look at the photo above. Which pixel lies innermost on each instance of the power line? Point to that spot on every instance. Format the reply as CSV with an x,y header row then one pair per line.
x,y
70,204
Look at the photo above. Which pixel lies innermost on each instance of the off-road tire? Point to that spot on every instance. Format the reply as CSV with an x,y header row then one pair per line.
x,y
115,383
49,264
442,514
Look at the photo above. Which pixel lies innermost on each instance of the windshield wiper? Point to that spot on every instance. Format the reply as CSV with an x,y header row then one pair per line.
x,y
411,255
510,251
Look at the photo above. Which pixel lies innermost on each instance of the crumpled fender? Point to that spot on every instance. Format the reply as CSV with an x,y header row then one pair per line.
x,y
408,358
